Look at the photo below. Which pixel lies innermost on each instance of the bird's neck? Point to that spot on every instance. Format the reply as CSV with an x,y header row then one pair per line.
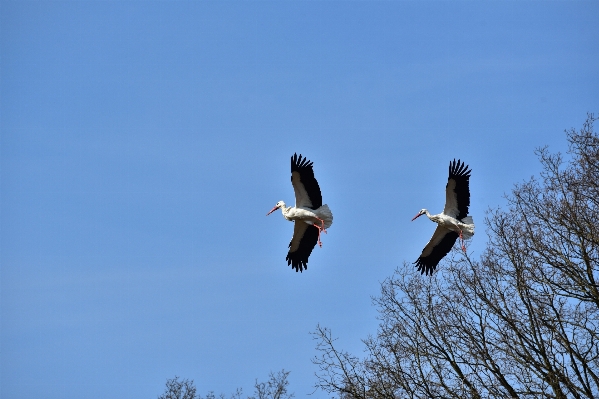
x,y
434,218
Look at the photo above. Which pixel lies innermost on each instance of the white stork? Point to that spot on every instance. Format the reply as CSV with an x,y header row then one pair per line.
x,y
308,212
452,223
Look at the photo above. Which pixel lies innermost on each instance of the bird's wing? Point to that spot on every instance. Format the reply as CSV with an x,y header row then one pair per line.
x,y
307,191
302,243
440,244
457,190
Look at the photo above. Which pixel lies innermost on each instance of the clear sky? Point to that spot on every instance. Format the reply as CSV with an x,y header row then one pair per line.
x,y
142,144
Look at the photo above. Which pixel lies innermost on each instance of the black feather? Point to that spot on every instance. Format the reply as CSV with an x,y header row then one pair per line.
x,y
426,265
304,167
459,172
299,258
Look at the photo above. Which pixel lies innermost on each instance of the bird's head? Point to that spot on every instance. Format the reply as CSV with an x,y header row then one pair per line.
x,y
422,212
279,204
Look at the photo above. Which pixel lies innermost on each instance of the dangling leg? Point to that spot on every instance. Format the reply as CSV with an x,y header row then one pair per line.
x,y
462,239
322,228
319,230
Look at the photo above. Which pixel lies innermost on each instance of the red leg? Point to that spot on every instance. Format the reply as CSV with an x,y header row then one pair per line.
x,y
462,238
322,228
319,230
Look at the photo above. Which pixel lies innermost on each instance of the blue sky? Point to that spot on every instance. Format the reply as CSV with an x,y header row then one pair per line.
x,y
142,144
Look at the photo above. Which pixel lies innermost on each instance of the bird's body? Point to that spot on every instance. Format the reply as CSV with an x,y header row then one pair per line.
x,y
465,227
309,215
452,223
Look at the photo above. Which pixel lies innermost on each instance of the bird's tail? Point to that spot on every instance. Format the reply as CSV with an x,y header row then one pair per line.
x,y
325,214
468,227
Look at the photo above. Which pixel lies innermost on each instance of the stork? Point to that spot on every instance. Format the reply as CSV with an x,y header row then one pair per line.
x,y
452,223
309,215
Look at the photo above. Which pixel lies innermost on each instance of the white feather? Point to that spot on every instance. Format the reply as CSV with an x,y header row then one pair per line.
x,y
302,199
325,214
451,200
467,226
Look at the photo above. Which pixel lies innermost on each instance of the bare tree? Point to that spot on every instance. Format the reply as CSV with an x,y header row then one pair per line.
x,y
520,322
179,389
274,388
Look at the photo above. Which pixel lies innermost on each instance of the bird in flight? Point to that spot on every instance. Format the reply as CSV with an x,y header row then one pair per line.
x,y
452,223
310,216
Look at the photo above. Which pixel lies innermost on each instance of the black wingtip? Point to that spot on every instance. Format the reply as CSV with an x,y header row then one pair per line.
x,y
298,265
427,270
459,169
300,161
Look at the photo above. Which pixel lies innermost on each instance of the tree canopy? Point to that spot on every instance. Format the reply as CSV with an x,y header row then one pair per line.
x,y
274,388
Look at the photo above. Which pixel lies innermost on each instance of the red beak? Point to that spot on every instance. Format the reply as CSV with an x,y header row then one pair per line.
x,y
272,210
419,214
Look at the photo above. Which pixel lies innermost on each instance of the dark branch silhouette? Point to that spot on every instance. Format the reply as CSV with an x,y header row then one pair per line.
x,y
520,322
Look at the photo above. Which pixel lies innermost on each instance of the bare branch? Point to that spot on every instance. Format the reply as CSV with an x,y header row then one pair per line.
x,y
520,322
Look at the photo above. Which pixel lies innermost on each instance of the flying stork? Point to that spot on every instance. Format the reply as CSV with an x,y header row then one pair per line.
x,y
310,216
454,222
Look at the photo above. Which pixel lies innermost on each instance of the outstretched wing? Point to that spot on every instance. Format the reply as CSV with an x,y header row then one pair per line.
x,y
457,190
440,244
302,243
307,191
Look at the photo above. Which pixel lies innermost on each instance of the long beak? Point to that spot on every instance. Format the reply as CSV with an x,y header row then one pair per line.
x,y
417,216
272,210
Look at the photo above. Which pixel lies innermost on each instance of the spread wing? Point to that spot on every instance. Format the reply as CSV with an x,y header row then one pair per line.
x,y
440,244
307,191
457,190
302,243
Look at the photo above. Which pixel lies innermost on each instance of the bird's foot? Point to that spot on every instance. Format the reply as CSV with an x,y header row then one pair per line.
x,y
462,239
319,230
322,228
